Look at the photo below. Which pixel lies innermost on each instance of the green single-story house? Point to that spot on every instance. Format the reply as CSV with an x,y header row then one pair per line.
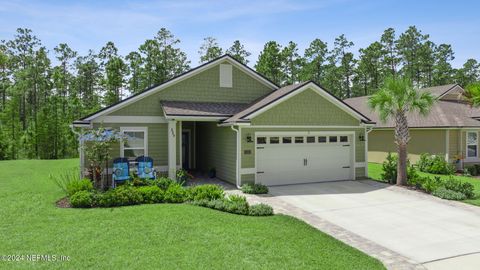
x,y
224,115
451,129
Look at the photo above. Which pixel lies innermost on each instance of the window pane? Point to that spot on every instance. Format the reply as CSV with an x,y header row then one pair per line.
x,y
472,138
298,139
472,151
131,153
332,139
322,139
343,138
310,139
134,139
287,139
261,140
274,140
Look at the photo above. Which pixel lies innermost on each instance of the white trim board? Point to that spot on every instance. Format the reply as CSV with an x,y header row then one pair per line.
x,y
131,119
315,88
325,127
180,78
196,118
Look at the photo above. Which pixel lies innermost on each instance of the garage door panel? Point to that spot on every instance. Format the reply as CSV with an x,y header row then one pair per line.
x,y
281,164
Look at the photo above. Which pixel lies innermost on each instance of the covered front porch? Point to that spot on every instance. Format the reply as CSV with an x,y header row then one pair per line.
x,y
187,137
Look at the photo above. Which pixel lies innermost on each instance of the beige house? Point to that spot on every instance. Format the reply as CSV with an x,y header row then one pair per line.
x,y
451,129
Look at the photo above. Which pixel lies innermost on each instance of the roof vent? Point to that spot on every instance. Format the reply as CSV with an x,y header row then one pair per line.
x,y
225,75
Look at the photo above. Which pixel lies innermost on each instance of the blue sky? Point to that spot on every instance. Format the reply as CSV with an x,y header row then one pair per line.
x,y
90,24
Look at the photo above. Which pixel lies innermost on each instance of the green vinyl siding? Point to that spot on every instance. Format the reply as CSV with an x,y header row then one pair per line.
x,y
247,178
306,108
203,87
216,148
157,143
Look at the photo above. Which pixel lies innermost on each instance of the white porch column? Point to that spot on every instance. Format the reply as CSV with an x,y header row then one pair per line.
x,y
447,145
172,149
180,138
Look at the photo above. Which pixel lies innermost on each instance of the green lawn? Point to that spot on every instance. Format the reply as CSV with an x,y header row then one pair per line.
x,y
162,236
375,170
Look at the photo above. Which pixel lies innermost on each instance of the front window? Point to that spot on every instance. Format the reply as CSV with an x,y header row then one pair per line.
x,y
134,142
472,144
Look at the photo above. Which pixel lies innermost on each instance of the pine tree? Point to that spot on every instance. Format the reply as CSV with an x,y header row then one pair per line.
x,y
237,51
209,50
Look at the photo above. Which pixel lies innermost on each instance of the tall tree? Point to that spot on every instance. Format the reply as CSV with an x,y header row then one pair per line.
x,y
394,101
315,58
209,50
370,67
409,46
115,72
269,62
135,63
346,62
389,52
238,51
291,63
442,70
468,73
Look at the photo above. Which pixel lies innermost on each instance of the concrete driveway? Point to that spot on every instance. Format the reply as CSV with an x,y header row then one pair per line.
x,y
422,228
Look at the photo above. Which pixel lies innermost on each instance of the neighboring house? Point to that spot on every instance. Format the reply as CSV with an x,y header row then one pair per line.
x,y
224,115
451,129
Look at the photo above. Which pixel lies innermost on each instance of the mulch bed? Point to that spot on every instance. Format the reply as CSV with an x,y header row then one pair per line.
x,y
63,203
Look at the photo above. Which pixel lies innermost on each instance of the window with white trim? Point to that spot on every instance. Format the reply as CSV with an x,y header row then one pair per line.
x,y
472,144
135,141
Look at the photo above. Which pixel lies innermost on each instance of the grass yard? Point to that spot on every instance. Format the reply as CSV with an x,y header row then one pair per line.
x,y
162,236
375,171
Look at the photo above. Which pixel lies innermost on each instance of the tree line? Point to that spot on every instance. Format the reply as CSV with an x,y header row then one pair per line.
x,y
42,91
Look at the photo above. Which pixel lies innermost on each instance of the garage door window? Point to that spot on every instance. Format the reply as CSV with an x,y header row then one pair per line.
x,y
332,139
287,140
274,140
261,140
298,139
343,138
310,139
322,139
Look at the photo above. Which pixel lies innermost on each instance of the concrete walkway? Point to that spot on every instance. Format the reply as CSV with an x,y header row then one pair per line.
x,y
404,229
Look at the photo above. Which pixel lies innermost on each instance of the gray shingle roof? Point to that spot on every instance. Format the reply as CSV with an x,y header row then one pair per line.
x,y
206,109
438,90
442,114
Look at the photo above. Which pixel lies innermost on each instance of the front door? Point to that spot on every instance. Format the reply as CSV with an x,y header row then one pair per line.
x,y
186,150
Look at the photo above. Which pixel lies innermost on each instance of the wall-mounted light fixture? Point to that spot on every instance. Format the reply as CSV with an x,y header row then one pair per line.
x,y
361,138
249,138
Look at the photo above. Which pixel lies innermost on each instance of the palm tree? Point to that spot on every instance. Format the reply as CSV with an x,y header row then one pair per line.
x,y
394,101
472,94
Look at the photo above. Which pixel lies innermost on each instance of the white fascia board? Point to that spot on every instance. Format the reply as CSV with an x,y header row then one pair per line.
x,y
130,119
319,91
180,78
196,118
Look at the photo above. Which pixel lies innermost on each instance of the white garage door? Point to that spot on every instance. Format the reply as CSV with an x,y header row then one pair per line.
x,y
294,159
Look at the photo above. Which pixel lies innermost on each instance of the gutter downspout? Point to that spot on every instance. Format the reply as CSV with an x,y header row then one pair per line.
x,y
237,159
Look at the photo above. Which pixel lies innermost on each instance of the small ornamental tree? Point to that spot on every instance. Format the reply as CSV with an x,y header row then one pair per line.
x,y
98,151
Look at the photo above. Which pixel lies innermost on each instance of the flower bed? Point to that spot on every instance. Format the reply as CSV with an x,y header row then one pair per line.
x,y
163,190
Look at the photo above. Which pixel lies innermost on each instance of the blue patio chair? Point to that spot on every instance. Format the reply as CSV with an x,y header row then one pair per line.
x,y
145,168
121,171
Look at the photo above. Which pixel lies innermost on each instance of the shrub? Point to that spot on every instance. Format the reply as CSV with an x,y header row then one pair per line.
x,y
260,210
448,194
82,199
205,192
456,185
151,194
120,196
254,188
435,164
164,182
236,204
64,179
431,184
417,181
389,168
175,193
79,185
